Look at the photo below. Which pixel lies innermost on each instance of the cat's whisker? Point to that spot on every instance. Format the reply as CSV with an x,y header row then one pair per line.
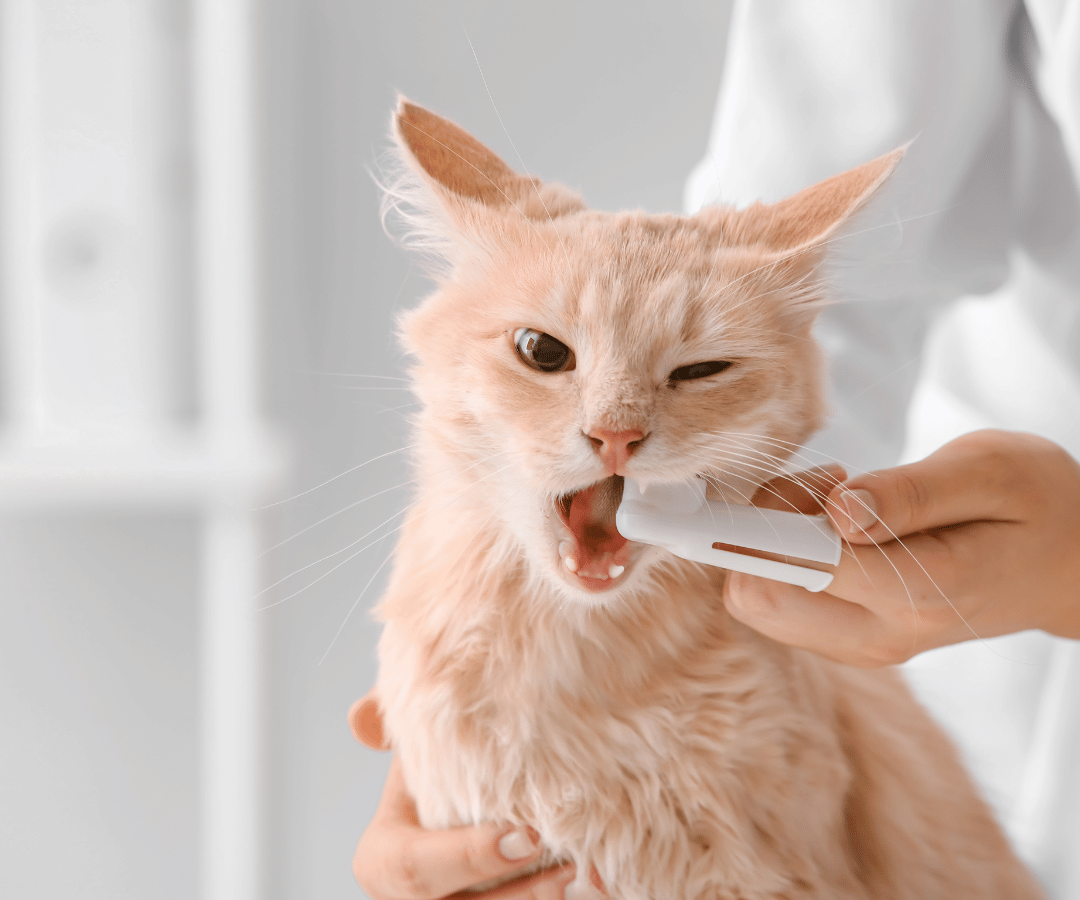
x,y
770,473
764,266
360,375
386,409
817,246
349,546
396,410
332,515
535,185
370,387
847,235
794,508
915,359
336,477
795,451
778,463
719,188
809,285
356,603
334,568
718,482
406,509
740,464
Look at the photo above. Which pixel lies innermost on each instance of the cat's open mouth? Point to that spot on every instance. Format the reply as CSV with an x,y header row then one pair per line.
x,y
593,552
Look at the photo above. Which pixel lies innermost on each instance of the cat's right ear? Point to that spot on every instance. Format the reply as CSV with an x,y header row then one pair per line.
x,y
450,187
452,159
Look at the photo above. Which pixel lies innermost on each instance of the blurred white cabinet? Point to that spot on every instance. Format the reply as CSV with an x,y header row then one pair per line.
x,y
128,320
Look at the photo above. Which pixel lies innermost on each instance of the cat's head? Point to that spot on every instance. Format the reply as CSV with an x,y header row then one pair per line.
x,y
565,348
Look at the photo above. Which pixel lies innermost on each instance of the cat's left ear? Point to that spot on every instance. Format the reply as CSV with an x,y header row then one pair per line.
x,y
816,214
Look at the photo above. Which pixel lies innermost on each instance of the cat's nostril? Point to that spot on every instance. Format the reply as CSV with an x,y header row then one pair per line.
x,y
618,445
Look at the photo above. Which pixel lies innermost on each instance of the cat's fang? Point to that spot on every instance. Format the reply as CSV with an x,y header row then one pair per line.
x,y
570,563
616,571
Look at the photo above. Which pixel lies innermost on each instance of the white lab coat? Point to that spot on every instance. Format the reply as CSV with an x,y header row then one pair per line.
x,y
985,203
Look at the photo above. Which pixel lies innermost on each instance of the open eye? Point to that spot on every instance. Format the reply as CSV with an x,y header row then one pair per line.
x,y
542,352
699,370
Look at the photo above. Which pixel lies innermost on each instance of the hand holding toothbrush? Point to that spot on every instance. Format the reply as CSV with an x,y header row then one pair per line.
x,y
981,538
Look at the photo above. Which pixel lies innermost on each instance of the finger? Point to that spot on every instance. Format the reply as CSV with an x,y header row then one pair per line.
x,y
365,720
549,885
881,576
953,578
410,862
453,859
792,615
930,589
957,484
800,492
396,806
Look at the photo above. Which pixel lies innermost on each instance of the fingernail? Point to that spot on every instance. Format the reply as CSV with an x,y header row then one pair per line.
x,y
516,845
749,596
734,588
860,508
582,890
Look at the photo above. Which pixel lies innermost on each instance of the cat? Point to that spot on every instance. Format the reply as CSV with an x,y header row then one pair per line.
x,y
537,669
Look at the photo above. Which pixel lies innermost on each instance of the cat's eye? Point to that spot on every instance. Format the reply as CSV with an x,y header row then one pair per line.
x,y
543,352
699,370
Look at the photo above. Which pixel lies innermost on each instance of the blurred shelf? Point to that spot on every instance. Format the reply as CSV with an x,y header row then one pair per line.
x,y
184,469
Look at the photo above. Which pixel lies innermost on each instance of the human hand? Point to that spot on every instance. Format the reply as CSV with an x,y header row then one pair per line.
x,y
981,538
396,859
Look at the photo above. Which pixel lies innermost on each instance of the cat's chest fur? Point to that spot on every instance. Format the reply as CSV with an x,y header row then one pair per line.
x,y
656,742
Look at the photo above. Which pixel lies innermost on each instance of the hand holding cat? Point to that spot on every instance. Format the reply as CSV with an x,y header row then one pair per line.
x,y
981,538
396,859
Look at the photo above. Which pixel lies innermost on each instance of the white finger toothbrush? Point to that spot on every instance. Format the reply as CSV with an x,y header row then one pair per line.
x,y
679,518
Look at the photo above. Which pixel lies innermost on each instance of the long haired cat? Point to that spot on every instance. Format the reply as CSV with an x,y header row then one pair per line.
x,y
536,669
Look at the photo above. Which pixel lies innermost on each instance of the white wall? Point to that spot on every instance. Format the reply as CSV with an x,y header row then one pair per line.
x,y
98,638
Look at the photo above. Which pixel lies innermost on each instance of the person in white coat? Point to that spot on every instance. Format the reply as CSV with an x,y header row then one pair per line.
x,y
985,203
966,317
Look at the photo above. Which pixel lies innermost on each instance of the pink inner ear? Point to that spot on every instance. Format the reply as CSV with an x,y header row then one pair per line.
x,y
453,157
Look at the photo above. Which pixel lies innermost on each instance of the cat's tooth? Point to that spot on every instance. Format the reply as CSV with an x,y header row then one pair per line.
x,y
616,571
566,553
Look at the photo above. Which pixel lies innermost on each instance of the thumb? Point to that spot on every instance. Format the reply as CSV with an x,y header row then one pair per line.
x,y
365,720
949,487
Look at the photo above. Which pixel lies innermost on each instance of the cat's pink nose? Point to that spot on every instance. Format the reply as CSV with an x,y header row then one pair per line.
x,y
615,447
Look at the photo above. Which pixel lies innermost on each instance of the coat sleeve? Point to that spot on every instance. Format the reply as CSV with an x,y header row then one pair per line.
x,y
812,89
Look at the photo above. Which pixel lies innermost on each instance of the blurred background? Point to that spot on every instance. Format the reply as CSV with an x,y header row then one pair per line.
x,y
196,325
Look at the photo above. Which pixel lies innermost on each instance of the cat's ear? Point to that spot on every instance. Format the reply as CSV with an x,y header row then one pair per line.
x,y
454,186
816,214
452,158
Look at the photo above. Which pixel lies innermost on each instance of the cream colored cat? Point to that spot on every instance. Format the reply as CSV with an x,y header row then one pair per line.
x,y
536,668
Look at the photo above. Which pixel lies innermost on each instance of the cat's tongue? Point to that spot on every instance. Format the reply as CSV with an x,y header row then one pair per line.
x,y
597,542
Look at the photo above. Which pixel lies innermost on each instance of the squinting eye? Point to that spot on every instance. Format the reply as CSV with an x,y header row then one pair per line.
x,y
699,370
542,352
